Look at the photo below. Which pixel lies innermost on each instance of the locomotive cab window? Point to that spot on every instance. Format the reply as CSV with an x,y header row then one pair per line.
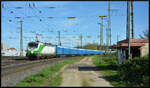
x,y
33,45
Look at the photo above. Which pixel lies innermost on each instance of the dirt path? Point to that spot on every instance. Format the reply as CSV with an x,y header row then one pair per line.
x,y
83,73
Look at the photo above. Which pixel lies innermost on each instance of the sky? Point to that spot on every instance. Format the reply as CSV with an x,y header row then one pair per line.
x,y
38,18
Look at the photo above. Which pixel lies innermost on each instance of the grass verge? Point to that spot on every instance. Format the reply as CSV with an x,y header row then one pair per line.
x,y
132,73
108,65
39,78
56,81
85,83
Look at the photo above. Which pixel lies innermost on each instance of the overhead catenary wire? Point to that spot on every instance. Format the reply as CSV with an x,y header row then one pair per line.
x,y
33,5
50,17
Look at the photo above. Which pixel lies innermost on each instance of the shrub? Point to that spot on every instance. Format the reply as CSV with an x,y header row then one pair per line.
x,y
135,71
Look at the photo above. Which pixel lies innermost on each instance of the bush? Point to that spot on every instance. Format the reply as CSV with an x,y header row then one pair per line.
x,y
135,71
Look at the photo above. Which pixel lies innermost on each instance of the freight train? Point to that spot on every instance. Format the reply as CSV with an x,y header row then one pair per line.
x,y
41,50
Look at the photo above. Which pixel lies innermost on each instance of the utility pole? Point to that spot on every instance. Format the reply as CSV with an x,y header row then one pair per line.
x,y
117,46
81,40
128,27
117,40
100,44
132,19
101,31
101,34
36,37
107,40
59,42
21,41
109,28
117,51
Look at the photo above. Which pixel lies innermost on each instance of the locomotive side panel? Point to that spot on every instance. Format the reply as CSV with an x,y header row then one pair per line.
x,y
48,50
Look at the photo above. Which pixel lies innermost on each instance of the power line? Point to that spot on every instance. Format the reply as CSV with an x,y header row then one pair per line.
x,y
33,5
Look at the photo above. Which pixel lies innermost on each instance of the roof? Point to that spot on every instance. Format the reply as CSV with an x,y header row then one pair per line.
x,y
133,43
113,46
11,49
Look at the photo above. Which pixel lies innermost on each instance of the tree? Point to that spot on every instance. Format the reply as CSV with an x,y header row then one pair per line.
x,y
145,34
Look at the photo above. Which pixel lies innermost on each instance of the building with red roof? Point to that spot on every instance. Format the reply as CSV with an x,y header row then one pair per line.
x,y
12,49
139,48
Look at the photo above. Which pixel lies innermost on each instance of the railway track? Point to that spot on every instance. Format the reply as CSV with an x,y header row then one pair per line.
x,y
14,61
12,74
12,57
9,63
16,66
7,60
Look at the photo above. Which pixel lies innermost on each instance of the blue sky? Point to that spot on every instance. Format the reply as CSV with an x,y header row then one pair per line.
x,y
85,23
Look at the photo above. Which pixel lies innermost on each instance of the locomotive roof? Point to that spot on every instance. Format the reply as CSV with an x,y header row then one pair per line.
x,y
42,43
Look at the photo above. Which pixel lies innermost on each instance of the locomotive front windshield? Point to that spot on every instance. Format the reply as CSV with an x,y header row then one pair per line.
x,y
33,45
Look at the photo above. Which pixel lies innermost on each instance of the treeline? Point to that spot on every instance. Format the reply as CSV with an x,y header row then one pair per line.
x,y
93,46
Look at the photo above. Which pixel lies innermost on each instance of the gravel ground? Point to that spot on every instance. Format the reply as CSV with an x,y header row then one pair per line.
x,y
83,74
12,79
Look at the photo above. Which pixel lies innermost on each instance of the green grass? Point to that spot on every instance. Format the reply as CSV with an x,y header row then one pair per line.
x,y
132,73
85,83
108,66
39,78
56,81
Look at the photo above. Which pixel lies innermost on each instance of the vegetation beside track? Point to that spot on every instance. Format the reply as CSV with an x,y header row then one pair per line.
x,y
39,78
133,73
56,81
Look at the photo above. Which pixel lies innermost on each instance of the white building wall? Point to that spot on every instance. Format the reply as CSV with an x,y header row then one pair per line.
x,y
145,49
12,53
4,46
